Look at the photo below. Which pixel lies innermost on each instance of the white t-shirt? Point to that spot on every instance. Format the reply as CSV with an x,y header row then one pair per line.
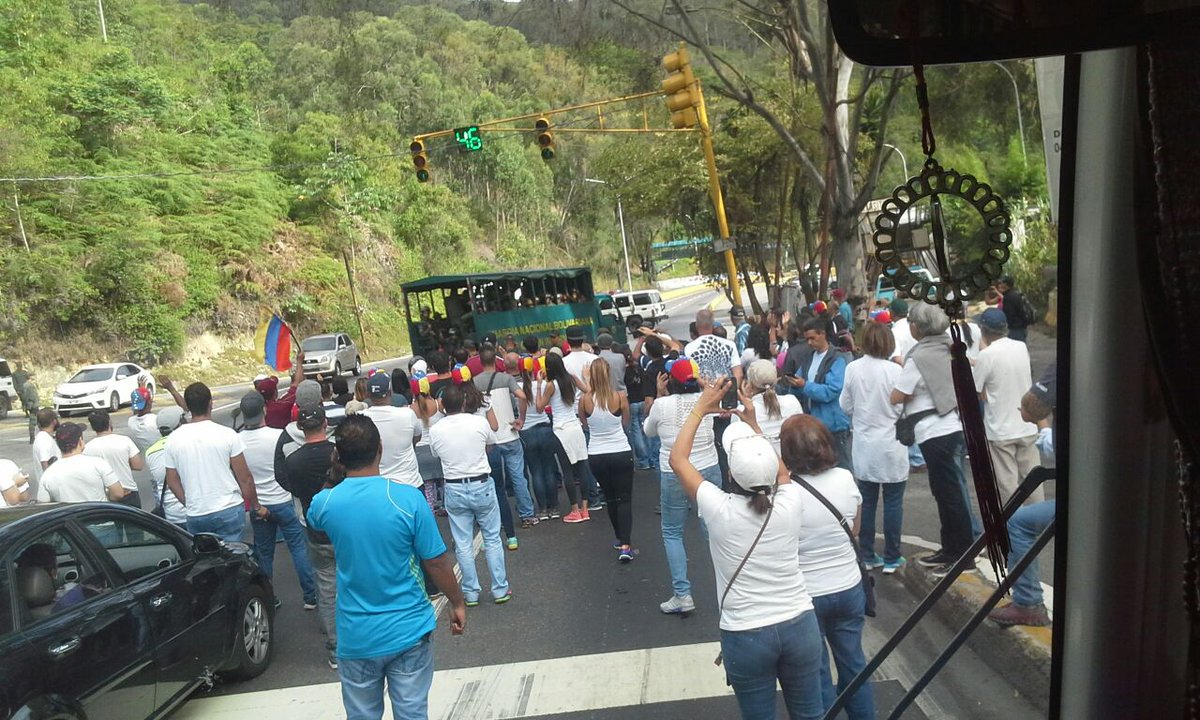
x,y
8,478
910,382
144,429
44,448
461,442
715,356
770,589
117,451
903,337
156,462
667,415
200,452
789,405
1003,372
577,363
78,478
260,446
973,349
878,456
500,400
827,559
398,427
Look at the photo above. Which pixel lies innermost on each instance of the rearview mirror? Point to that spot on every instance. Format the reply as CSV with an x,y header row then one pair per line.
x,y
885,33
206,544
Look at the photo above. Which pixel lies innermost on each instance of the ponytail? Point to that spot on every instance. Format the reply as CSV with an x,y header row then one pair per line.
x,y
760,503
771,401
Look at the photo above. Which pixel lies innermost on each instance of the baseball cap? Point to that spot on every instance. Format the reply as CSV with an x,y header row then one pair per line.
x,y
266,385
417,365
819,307
737,312
531,365
604,340
488,339
838,294
308,394
419,383
68,436
993,319
310,418
379,385
169,419
139,399
460,375
253,408
1046,388
684,369
752,459
575,333
556,350
882,316
762,374
898,307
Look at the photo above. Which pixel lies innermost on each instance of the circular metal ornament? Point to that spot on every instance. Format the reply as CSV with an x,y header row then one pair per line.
x,y
948,291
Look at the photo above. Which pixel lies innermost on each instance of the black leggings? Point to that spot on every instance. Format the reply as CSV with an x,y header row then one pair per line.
x,y
615,473
579,474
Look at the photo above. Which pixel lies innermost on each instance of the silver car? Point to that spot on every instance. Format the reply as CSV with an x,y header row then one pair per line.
x,y
330,354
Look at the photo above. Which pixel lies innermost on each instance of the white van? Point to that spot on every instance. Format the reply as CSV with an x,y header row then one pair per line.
x,y
647,304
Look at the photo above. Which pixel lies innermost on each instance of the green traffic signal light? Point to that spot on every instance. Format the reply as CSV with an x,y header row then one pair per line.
x,y
422,175
547,153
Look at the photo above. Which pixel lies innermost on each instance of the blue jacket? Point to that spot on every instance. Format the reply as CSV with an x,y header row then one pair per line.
x,y
820,395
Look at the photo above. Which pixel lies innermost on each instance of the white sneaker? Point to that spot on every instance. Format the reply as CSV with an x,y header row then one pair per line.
x,y
678,605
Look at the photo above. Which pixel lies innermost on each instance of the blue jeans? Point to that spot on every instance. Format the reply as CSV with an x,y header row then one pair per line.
x,y
409,676
637,436
840,617
469,504
1023,529
893,518
283,519
512,457
790,652
228,524
915,458
540,445
674,502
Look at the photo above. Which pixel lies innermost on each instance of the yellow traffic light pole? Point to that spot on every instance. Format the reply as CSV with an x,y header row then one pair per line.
x,y
685,99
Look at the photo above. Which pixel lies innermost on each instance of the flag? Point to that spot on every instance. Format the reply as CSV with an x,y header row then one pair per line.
x,y
273,342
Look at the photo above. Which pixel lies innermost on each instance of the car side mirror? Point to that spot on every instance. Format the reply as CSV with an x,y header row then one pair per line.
x,y
206,544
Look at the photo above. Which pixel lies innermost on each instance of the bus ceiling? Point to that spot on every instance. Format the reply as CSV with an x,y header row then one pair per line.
x,y
883,33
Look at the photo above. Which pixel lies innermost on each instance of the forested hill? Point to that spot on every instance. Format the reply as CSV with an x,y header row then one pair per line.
x,y
242,157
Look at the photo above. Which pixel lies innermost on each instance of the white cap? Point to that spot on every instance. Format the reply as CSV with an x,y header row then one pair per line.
x,y
753,462
420,366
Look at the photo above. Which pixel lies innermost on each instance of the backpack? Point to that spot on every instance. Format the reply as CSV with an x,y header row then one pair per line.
x,y
1027,310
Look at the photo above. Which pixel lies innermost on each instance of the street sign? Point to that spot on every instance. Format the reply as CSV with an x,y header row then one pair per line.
x,y
721,245
468,138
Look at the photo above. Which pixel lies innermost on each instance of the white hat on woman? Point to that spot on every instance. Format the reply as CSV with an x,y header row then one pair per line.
x,y
762,374
752,459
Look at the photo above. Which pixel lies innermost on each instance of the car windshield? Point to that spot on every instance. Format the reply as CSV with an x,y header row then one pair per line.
x,y
92,375
318,344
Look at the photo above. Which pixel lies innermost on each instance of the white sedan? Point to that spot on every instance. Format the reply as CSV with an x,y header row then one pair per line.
x,y
108,385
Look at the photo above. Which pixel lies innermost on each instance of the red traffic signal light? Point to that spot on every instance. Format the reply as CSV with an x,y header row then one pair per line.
x,y
420,160
545,138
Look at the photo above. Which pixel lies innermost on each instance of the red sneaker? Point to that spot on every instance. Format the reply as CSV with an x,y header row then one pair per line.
x,y
586,514
575,516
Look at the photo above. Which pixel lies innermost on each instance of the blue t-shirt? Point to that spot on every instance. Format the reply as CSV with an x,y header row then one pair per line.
x,y
381,531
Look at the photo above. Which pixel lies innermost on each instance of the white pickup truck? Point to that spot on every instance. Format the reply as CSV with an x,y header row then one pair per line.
x,y
8,393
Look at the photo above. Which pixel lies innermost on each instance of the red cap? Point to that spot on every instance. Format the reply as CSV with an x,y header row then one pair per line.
x,y
685,369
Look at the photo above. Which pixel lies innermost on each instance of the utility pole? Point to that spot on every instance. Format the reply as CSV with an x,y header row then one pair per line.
x,y
624,240
103,25
362,332
20,222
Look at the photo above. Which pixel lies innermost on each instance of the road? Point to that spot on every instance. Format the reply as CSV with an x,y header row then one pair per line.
x,y
583,637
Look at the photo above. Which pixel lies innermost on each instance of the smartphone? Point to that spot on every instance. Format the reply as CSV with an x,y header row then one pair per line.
x,y
730,400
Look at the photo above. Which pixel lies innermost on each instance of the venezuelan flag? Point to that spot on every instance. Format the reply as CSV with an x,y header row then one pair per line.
x,y
274,344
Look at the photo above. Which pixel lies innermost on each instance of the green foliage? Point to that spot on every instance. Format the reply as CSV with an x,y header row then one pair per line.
x,y
1029,263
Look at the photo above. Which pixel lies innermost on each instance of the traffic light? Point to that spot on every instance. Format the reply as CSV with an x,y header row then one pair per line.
x,y
683,94
545,138
420,160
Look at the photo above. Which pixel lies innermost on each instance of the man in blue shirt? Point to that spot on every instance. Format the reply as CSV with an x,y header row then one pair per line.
x,y
741,334
816,372
382,532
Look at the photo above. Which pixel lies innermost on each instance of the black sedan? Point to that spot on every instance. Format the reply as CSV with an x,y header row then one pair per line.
x,y
110,612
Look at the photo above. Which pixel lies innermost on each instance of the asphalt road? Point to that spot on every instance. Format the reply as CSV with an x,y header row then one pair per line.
x,y
583,637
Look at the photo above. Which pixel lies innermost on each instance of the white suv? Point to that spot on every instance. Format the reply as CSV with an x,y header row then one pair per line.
x,y
330,354
646,304
8,393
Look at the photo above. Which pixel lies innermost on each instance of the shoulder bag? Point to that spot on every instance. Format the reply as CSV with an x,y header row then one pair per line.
x,y
906,426
742,564
868,581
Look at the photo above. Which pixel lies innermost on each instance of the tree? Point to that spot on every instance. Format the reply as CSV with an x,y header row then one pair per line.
x,y
855,103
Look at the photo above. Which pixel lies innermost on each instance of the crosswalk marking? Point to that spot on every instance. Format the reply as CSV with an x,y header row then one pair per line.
x,y
511,690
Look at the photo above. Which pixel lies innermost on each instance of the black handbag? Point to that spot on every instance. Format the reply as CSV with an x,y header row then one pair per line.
x,y
159,510
906,426
868,580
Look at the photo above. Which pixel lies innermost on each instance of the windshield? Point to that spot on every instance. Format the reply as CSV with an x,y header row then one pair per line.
x,y
319,344
92,375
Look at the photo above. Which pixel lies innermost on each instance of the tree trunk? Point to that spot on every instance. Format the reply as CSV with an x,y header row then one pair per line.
x,y
848,257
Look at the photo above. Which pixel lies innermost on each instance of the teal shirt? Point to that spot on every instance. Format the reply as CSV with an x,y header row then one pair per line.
x,y
381,531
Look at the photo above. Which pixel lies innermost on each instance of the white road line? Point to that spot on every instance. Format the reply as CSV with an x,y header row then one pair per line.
x,y
511,690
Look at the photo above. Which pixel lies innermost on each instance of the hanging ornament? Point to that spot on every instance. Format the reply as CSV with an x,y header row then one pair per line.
x,y
951,292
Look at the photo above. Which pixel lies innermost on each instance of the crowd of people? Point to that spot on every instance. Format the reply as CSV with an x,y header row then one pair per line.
x,y
783,431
